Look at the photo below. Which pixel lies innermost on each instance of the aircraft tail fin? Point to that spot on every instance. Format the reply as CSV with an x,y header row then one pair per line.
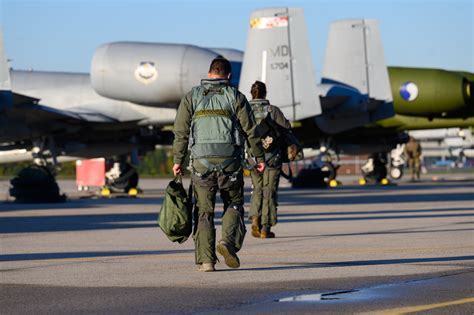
x,y
4,67
278,54
355,57
6,97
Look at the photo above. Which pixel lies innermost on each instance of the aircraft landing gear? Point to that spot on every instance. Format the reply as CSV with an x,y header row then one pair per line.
x,y
396,172
375,170
397,162
122,177
321,173
37,183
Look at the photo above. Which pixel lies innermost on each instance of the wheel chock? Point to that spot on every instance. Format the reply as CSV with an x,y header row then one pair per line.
x,y
333,183
362,181
105,192
384,181
133,192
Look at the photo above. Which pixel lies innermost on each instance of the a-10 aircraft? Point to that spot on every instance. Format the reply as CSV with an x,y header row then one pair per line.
x,y
124,106
367,107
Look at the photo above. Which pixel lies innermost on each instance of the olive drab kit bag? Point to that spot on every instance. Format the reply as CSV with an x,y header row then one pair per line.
x,y
175,217
265,129
274,137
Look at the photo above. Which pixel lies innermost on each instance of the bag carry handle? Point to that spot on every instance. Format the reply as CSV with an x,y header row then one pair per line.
x,y
178,178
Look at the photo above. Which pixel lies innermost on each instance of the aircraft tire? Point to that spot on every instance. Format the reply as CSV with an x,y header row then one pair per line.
x,y
329,169
36,184
127,180
396,172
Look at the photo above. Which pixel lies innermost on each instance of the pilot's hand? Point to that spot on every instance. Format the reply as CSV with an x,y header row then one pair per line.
x,y
260,167
177,169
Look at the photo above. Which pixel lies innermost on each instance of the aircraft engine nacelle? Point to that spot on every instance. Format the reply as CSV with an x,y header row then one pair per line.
x,y
148,74
431,92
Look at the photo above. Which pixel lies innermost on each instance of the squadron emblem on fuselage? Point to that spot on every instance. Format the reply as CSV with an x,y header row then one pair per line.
x,y
409,91
146,72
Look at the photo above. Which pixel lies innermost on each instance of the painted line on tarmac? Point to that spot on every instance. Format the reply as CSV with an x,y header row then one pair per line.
x,y
419,308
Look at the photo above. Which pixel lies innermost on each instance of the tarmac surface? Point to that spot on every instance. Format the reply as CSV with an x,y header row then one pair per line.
x,y
398,249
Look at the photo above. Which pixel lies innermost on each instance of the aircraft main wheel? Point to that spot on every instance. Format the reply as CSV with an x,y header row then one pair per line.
x,y
329,170
35,184
396,172
380,173
128,179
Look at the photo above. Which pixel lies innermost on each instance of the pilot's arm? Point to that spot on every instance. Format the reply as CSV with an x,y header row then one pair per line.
x,y
279,118
181,131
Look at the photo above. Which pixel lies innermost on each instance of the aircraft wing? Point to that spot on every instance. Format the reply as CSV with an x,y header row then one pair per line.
x,y
30,112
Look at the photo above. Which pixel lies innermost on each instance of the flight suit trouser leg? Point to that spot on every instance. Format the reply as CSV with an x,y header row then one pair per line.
x,y
232,194
411,165
417,168
204,231
256,198
271,180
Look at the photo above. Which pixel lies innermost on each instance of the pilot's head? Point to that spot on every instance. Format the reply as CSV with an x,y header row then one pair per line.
x,y
220,69
258,90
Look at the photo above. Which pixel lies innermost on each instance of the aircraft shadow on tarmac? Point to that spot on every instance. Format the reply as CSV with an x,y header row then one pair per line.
x,y
296,198
61,223
389,232
66,255
311,199
103,221
376,215
82,203
370,188
310,265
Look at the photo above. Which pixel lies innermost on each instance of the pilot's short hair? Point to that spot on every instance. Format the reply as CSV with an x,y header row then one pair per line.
x,y
220,66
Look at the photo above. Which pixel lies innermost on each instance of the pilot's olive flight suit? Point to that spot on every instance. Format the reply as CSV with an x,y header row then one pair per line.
x,y
211,120
413,152
264,200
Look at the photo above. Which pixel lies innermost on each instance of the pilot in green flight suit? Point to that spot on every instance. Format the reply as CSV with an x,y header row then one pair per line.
x,y
212,121
413,153
264,200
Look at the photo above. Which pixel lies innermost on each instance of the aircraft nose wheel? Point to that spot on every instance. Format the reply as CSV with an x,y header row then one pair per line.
x,y
396,173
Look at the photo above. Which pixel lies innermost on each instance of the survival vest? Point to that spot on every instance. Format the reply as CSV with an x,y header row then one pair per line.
x,y
214,126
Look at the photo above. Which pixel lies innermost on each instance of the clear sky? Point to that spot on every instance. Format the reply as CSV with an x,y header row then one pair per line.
x,y
62,35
